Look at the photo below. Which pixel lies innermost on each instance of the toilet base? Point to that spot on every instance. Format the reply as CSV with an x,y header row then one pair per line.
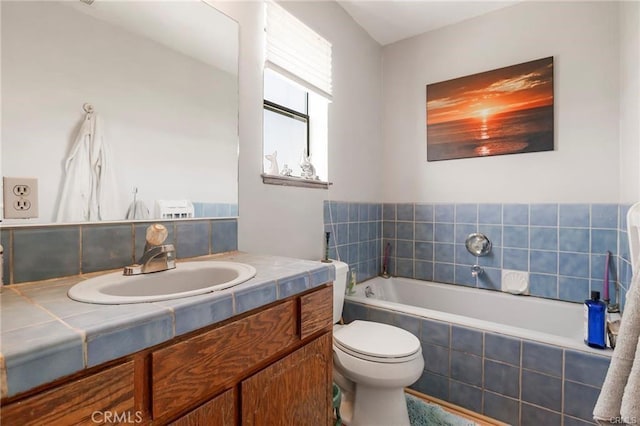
x,y
379,407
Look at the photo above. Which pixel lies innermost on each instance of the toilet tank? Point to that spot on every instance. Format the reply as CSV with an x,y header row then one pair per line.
x,y
339,288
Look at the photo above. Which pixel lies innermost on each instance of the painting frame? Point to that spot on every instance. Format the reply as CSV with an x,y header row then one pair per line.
x,y
508,110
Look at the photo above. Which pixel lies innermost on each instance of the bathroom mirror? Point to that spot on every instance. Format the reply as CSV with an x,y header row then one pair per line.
x,y
162,77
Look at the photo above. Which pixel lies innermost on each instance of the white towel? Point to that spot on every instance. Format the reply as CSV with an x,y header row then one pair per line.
x,y
619,399
89,190
107,198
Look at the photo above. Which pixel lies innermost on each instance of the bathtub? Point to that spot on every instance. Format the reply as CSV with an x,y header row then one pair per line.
x,y
519,359
548,321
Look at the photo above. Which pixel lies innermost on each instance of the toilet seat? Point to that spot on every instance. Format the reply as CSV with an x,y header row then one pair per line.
x,y
377,342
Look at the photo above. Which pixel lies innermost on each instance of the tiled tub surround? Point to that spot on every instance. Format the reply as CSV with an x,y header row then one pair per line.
x,y
45,252
356,235
45,335
516,380
562,246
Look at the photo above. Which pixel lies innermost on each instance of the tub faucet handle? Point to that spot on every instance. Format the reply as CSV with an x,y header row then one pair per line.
x,y
476,271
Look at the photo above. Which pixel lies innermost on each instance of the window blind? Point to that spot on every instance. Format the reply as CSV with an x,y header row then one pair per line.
x,y
296,51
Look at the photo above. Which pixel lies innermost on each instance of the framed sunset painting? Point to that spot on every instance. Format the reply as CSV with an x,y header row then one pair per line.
x,y
504,111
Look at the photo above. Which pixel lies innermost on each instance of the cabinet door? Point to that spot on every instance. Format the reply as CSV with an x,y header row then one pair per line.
x,y
293,391
220,411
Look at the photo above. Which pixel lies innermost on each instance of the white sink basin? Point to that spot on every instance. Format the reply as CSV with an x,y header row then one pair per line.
x,y
187,279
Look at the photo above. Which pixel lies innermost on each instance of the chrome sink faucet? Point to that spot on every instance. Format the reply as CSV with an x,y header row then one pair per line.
x,y
157,256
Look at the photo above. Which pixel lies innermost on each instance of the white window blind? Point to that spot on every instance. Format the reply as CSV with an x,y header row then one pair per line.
x,y
296,51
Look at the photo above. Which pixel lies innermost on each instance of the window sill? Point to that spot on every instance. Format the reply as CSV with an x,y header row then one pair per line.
x,y
294,181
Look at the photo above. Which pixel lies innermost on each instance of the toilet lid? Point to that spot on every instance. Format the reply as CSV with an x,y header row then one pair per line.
x,y
376,340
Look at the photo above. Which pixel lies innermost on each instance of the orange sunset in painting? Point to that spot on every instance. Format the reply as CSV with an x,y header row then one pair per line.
x,y
504,111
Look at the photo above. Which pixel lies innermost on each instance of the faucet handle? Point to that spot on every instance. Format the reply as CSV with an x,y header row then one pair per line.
x,y
156,234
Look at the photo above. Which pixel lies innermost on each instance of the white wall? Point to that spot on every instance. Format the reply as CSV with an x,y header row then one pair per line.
x,y
629,102
583,39
288,221
170,119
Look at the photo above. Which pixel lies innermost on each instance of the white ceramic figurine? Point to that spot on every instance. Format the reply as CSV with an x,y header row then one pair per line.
x,y
308,171
273,167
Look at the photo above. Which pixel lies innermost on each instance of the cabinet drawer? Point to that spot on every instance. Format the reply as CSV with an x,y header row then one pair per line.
x,y
90,400
194,369
316,311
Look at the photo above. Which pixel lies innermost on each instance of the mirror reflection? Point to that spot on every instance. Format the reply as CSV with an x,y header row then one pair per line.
x,y
159,79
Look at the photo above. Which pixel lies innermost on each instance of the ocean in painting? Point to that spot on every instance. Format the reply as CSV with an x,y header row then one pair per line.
x,y
528,130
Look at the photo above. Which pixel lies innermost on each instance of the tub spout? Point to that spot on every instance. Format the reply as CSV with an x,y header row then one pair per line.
x,y
476,271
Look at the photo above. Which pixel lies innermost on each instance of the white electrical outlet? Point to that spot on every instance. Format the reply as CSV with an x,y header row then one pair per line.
x,y
20,198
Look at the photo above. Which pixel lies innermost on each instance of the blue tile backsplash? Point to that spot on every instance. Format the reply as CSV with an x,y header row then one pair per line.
x,y
40,253
562,246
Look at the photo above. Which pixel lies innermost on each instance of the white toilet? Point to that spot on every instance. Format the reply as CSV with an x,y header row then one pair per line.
x,y
373,362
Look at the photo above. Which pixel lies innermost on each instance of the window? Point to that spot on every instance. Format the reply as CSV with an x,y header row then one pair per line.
x,y
297,91
286,122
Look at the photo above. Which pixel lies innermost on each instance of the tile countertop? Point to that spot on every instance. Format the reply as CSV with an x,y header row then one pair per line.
x,y
45,335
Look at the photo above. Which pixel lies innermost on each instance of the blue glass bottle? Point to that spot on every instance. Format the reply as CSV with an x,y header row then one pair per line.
x,y
595,321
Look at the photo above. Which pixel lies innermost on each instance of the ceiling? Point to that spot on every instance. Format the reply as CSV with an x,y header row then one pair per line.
x,y
388,21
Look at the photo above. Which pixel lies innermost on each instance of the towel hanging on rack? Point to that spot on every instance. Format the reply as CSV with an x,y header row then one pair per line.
x,y
89,191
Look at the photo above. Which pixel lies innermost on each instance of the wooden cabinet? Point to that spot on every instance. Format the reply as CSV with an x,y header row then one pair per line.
x,y
292,391
218,357
270,366
82,401
220,411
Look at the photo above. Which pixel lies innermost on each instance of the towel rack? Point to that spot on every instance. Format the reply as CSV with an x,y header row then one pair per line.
x,y
88,108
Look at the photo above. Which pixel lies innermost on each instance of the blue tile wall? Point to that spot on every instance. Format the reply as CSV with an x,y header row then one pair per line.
x,y
518,381
40,253
356,235
562,246
106,247
192,239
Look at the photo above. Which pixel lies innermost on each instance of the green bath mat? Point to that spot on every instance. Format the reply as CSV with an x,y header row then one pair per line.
x,y
422,413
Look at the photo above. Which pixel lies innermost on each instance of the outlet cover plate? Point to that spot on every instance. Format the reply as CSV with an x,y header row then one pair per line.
x,y
20,197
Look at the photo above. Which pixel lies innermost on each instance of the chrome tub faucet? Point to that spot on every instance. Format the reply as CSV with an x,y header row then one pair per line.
x,y
476,271
157,256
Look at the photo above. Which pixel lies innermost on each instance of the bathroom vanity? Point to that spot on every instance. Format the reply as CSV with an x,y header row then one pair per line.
x,y
266,366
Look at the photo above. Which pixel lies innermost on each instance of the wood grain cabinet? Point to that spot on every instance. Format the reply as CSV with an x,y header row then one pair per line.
x,y
293,391
220,411
83,401
271,366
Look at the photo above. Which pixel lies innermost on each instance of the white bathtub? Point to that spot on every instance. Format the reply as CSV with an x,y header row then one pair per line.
x,y
548,321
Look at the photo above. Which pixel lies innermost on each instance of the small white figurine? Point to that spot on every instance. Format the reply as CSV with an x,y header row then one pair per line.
x,y
286,171
308,171
273,167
